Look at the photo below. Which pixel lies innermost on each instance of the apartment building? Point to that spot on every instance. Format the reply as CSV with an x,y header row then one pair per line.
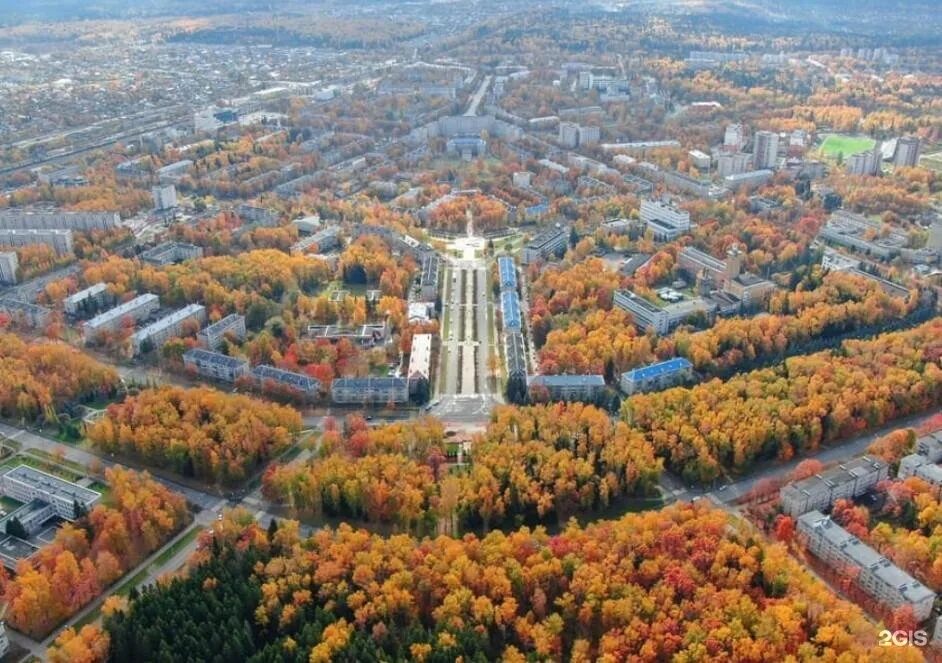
x,y
9,264
655,377
159,332
171,253
545,244
732,163
212,336
26,484
567,387
921,467
907,152
860,233
665,220
876,575
87,301
749,179
262,216
507,273
323,240
215,365
846,481
58,220
59,241
365,336
662,319
369,391
165,197
136,309
515,355
429,276
765,149
268,376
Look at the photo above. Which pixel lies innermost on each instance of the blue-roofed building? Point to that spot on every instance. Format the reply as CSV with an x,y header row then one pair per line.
x,y
566,387
657,376
507,273
510,310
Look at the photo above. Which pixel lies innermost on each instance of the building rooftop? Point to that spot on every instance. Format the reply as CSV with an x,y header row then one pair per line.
x,y
290,378
210,357
81,295
547,236
123,309
52,484
169,320
508,274
222,324
568,380
661,368
510,309
516,353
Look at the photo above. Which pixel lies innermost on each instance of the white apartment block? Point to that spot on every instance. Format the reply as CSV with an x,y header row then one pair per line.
x,y
734,138
666,221
9,264
544,245
215,365
111,320
732,163
920,467
59,241
159,332
846,481
878,576
42,220
165,197
212,336
93,295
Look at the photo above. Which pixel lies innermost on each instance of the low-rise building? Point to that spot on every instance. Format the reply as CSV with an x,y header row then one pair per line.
x,y
749,179
212,336
369,391
860,233
420,361
510,310
135,310
846,481
159,332
664,220
545,244
215,365
918,466
25,484
170,253
507,273
323,240
429,276
24,313
365,336
930,446
875,574
268,377
9,264
515,355
657,376
662,319
87,301
586,388
262,216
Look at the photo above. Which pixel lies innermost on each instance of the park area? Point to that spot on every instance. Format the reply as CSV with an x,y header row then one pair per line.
x,y
836,144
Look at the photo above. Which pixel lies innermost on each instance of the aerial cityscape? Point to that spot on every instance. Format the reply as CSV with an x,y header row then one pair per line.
x,y
500,330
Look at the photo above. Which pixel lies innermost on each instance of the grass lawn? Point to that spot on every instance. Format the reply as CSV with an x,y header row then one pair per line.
x,y
837,144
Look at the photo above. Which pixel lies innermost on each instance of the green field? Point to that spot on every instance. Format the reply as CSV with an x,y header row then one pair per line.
x,y
846,145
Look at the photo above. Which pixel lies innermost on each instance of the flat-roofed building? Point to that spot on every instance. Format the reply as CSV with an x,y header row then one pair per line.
x,y
262,216
920,467
749,179
9,264
846,481
507,273
510,310
860,233
212,336
930,446
567,387
420,357
268,377
25,484
215,365
662,319
515,355
24,313
58,219
875,574
429,276
664,219
369,391
87,301
732,163
59,241
170,253
657,376
111,320
321,241
365,336
159,332
545,244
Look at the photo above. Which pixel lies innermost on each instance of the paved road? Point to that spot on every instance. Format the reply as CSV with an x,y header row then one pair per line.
x,y
478,96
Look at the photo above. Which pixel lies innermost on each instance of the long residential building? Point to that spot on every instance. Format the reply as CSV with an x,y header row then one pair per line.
x,y
507,273
567,387
324,240
91,299
846,481
111,320
875,574
369,391
515,355
57,219
545,244
921,467
25,484
267,376
657,376
860,233
212,336
59,241
662,319
365,336
159,332
510,310
215,365
170,253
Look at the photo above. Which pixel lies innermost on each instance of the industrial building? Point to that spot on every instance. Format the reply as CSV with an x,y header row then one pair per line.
x,y
212,336
215,365
111,320
369,391
545,244
875,574
159,332
59,241
266,376
846,481
567,387
657,376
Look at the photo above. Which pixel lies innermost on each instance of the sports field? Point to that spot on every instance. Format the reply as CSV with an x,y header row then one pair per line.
x,y
836,144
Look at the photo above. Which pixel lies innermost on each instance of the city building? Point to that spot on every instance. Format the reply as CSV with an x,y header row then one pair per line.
x,y
662,319
215,365
846,481
732,163
567,387
515,355
734,138
262,216
88,301
666,221
907,152
369,391
510,310
545,244
173,172
58,220
24,313
765,150
507,273
860,233
726,276
655,377
875,574
212,336
9,264
365,336
268,377
915,465
930,446
701,160
521,179
59,241
136,309
466,147
26,484
429,278
165,197
308,225
749,179
420,360
170,253
569,134
159,332
323,240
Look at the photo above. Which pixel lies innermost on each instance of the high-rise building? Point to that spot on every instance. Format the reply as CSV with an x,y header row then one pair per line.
x,y
733,139
8,266
867,162
165,197
765,150
732,163
569,134
907,152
